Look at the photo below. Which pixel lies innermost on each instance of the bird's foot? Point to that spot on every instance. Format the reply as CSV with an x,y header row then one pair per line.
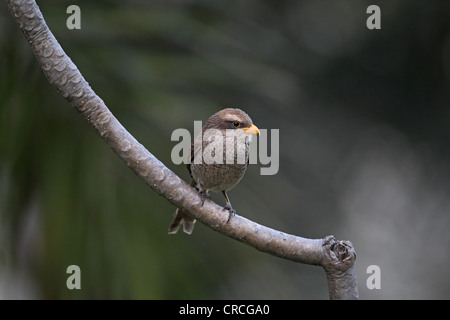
x,y
231,211
204,195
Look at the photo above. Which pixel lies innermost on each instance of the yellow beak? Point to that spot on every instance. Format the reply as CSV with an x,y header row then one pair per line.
x,y
252,129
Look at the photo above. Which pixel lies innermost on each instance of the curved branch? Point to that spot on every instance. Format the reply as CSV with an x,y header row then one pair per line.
x,y
336,257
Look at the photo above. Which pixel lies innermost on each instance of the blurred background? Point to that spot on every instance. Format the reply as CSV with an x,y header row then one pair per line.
x,y
364,120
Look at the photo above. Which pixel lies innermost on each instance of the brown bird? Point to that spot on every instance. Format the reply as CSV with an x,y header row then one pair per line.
x,y
218,159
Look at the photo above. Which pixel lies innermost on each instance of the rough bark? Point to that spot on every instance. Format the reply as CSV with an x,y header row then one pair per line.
x,y
336,257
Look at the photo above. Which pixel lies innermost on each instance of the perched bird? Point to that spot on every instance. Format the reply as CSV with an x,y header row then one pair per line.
x,y
218,159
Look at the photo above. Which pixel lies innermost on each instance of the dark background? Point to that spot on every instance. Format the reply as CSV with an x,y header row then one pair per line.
x,y
364,120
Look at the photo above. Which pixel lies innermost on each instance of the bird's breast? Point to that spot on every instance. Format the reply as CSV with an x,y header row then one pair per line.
x,y
224,162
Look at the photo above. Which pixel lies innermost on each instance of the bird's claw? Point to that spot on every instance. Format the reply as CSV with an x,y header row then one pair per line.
x,y
231,211
204,195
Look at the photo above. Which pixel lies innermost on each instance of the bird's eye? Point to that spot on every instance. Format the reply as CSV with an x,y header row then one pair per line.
x,y
236,124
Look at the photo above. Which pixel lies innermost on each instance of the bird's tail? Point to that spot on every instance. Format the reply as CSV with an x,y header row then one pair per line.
x,y
182,218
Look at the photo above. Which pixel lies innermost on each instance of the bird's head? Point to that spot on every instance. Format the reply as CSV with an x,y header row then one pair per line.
x,y
231,118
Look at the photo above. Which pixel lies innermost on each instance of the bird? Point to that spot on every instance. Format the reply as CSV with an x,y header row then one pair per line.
x,y
218,160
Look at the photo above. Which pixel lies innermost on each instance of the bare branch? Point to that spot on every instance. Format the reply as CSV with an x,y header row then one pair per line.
x,y
336,257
